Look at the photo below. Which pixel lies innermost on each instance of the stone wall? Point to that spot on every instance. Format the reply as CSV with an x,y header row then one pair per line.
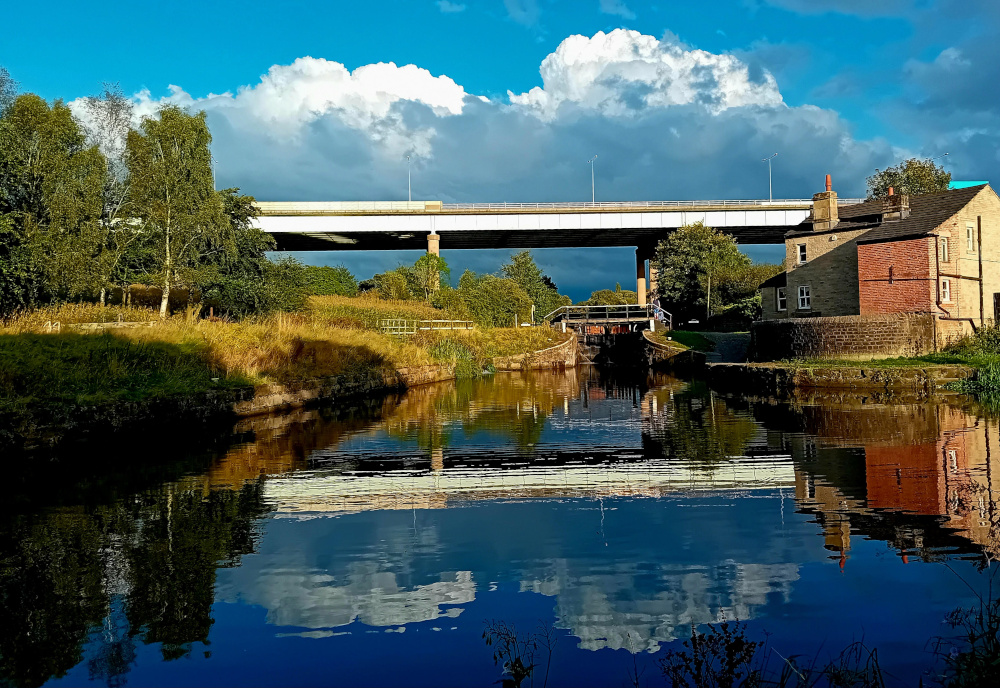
x,y
853,337
559,357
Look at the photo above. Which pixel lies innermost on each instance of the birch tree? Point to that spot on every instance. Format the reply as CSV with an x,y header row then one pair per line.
x,y
172,196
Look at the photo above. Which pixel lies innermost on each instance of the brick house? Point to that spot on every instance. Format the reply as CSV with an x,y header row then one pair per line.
x,y
934,254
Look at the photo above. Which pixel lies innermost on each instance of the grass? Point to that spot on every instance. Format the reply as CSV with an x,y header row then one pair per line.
x,y
667,338
335,336
692,340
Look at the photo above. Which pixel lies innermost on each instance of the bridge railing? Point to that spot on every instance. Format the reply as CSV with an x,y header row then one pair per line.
x,y
602,313
401,326
640,204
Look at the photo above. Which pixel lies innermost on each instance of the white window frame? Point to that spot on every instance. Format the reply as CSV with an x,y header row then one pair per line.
x,y
945,290
970,237
781,299
803,257
805,297
944,250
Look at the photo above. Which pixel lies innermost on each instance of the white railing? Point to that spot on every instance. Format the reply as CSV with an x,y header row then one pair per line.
x,y
601,313
403,326
421,207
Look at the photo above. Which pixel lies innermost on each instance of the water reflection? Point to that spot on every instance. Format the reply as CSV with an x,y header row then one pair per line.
x,y
635,507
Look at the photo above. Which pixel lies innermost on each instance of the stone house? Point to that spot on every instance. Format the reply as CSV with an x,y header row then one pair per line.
x,y
935,254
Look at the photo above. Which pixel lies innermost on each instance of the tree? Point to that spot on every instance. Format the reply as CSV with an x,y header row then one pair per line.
x,y
912,177
50,193
539,287
107,120
428,271
244,280
8,90
172,195
607,297
493,301
324,280
690,263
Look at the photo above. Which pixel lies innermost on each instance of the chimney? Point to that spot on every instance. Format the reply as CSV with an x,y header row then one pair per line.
x,y
895,207
824,212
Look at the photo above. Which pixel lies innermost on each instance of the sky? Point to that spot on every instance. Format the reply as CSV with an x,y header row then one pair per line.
x,y
507,100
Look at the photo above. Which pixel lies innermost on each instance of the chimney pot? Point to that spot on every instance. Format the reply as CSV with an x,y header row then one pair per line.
x,y
890,190
829,183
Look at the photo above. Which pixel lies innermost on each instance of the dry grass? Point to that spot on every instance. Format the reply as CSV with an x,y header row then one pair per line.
x,y
181,356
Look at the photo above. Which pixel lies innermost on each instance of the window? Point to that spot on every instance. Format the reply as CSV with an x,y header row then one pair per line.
x,y
805,298
946,289
802,253
782,299
970,236
944,250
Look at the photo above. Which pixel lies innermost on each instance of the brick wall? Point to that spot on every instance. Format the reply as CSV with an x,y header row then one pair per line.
x,y
858,337
897,276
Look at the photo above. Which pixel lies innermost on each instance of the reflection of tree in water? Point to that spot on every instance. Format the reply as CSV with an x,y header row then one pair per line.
x,y
694,424
138,569
515,410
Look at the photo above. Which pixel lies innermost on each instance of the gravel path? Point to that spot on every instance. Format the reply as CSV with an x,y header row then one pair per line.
x,y
730,347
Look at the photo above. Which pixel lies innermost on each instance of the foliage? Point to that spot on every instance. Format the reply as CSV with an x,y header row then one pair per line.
x,y
973,657
515,651
8,90
172,195
427,274
394,285
911,177
243,280
494,301
699,267
323,280
738,316
540,288
607,297
50,196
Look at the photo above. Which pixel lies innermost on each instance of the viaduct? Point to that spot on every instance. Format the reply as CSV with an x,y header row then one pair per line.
x,y
385,225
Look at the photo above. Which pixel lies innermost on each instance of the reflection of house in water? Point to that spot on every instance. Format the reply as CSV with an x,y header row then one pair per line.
x,y
918,475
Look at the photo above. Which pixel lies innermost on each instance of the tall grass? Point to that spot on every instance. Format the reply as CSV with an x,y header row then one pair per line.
x,y
72,314
182,356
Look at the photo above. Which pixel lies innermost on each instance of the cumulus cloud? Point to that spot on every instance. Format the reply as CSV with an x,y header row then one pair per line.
x,y
616,7
524,12
667,120
625,72
450,7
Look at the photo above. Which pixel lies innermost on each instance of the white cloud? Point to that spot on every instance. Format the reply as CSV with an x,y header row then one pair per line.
x,y
617,7
864,8
668,121
449,7
625,72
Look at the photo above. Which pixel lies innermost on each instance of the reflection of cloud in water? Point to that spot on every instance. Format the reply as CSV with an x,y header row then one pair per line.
x,y
306,598
606,610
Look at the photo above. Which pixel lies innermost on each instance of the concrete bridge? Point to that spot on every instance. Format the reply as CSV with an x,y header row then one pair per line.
x,y
385,225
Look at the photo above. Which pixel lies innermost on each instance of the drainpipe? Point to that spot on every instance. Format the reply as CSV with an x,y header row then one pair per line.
x,y
979,240
937,287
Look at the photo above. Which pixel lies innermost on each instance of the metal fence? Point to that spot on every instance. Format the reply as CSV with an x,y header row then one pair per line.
x,y
401,326
613,205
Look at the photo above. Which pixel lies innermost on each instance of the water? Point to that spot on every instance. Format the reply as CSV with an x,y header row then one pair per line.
x,y
372,545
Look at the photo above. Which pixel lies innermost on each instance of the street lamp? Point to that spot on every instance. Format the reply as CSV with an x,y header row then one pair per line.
x,y
770,196
593,197
409,193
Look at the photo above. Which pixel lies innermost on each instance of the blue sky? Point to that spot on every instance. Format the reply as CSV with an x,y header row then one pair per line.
x,y
681,105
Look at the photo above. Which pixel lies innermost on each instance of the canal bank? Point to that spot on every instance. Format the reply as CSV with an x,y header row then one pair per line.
x,y
41,422
780,378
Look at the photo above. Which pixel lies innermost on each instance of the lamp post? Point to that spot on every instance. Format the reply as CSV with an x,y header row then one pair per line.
x,y
409,193
592,194
770,196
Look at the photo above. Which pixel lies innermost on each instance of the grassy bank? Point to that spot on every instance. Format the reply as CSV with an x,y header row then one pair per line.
x,y
335,336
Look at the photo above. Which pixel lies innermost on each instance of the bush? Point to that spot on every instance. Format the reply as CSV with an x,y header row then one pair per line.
x,y
494,301
607,297
323,280
393,285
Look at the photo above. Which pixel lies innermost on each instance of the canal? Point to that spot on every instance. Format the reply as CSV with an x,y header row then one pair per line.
x,y
375,544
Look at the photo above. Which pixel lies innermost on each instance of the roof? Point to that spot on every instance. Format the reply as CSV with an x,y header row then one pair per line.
x,y
779,280
927,213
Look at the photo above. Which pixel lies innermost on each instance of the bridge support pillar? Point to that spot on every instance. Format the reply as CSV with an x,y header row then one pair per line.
x,y
434,243
640,276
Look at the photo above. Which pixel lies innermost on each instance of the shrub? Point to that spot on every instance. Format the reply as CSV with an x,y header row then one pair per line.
x,y
323,280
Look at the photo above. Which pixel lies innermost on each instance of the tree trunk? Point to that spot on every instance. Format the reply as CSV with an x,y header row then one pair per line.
x,y
165,298
708,299
104,293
